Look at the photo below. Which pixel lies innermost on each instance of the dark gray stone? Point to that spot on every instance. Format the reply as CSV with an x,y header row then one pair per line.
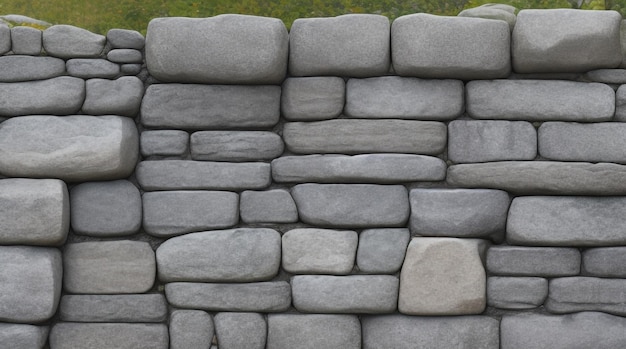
x,y
5,38
27,68
319,251
113,308
125,55
381,251
313,98
117,97
533,261
607,76
190,329
568,141
16,336
124,38
501,12
130,69
26,41
164,143
58,96
92,68
605,262
575,294
240,330
313,331
69,335
235,146
516,293
271,206
66,41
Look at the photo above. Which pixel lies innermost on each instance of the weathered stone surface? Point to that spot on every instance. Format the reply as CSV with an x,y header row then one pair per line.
x,y
565,40
235,49
240,330
117,97
313,331
352,205
113,308
26,68
366,136
106,208
92,68
171,213
108,267
69,335
257,297
66,41
26,41
620,103
33,211
130,69
31,283
16,336
381,251
235,146
568,141
313,98
370,294
124,38
516,292
164,143
540,100
271,206
319,251
575,294
501,12
72,148
237,255
533,261
192,106
190,329
349,45
493,140
5,38
442,47
604,262
59,96
607,76
125,55
443,276
410,332
182,174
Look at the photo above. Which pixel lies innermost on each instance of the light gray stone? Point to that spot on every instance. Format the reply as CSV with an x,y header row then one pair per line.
x,y
604,262
235,49
125,55
381,251
235,146
540,100
27,68
501,12
607,76
117,97
70,335
66,41
575,294
620,103
192,106
296,331
190,329
319,251
171,213
71,148
164,143
565,40
349,45
108,267
271,206
26,41
124,38
312,98
442,47
33,211
237,255
113,308
16,336
58,96
86,68
130,69
240,330
5,38
365,136
106,208
352,205
516,293
568,141
255,297
533,261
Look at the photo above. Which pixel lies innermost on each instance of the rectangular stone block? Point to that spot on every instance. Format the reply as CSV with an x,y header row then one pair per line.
x,y
516,293
164,143
605,262
190,329
313,98
113,308
381,251
271,206
235,146
568,141
319,251
241,330
533,261
18,336
313,331
71,335
575,294
62,95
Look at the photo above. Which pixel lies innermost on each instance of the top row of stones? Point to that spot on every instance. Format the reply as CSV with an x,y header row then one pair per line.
x,y
239,49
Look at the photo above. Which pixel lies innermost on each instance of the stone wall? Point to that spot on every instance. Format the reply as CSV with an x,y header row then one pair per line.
x,y
435,182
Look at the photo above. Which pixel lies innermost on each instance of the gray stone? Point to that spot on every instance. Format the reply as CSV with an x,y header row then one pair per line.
x,y
493,140
124,38
575,294
349,45
108,267
369,294
381,251
117,97
501,12
235,146
366,136
622,31
125,55
92,68
565,40
171,213
271,206
256,297
130,69
540,100
16,336
69,335
568,141
113,308
26,41
240,330
365,168
5,38
58,96
237,255
164,143
607,76
106,208
190,329
66,41
516,293
620,103
33,211
533,261
17,20
235,49
319,251
352,205
605,262
71,148
412,332
313,98
296,331
182,174
191,106
442,47
26,68
394,97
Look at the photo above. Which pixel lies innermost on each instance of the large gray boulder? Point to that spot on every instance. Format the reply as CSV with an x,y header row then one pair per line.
x,y
235,146
190,329
578,293
66,41
313,98
72,335
240,330
381,251
605,262
19,336
26,68
516,293
533,261
113,308
319,251
117,97
314,331
62,95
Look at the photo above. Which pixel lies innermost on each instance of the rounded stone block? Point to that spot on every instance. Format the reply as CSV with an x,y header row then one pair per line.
x,y
26,41
117,97
312,98
516,293
88,68
124,38
501,12
125,55
240,330
235,146
62,95
66,41
271,206
27,68
113,308
190,329
533,261
164,143
71,335
5,38
16,336
313,331
319,251
381,251
579,293
605,262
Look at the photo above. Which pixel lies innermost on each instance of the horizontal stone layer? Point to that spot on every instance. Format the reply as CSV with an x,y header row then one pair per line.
x,y
62,95
67,41
604,262
600,142
319,251
113,308
71,335
299,331
575,294
516,293
533,261
164,143
270,206
235,146
312,98
27,68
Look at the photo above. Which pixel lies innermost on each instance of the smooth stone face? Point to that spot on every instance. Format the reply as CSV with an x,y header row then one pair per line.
x,y
108,267
235,49
568,141
240,330
271,206
607,76
237,255
516,292
575,294
352,205
116,97
26,68
16,336
441,47
605,262
5,39
26,41
501,12
349,45
66,41
312,98
620,103
113,308
31,283
131,69
125,55
92,68
235,146
319,251
69,335
58,96
124,38
533,261
381,251
190,329
313,331
164,143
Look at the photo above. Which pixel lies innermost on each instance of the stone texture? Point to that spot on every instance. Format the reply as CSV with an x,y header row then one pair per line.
x,y
381,251
118,97
313,331
191,106
26,41
108,267
164,143
271,206
501,12
5,38
620,103
16,336
568,141
352,205
256,297
27,68
69,335
31,283
575,294
319,251
113,308
92,68
349,45
533,261
312,98
33,211
238,255
370,294
66,41
190,329
240,330
130,69
58,96
106,208
540,100
235,146
71,148
124,38
171,213
604,262
516,293
607,76
443,276
442,47
564,40
366,136
236,49
125,55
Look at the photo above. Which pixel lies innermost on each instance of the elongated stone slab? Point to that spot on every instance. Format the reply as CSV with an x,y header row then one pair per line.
x,y
18,336
319,251
113,308
118,97
297,331
67,41
533,261
71,335
313,98
600,142
574,294
235,146
26,68
164,143
605,262
63,95
516,292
